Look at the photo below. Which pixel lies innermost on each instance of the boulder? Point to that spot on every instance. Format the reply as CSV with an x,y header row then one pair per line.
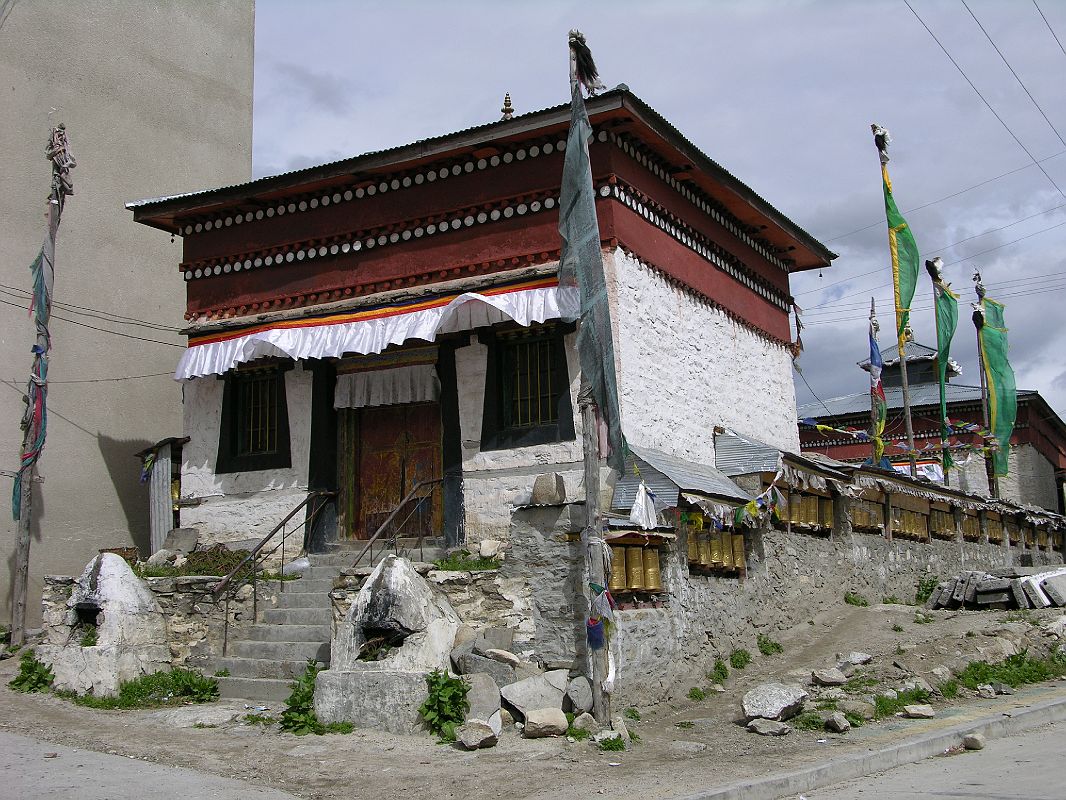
x,y
490,548
1002,688
834,693
768,727
181,540
541,722
619,726
131,632
986,691
579,693
837,723
919,711
504,657
859,707
483,696
774,701
973,741
399,606
476,734
527,669
548,490
857,658
498,638
941,673
541,691
586,722
162,558
503,674
459,651
828,677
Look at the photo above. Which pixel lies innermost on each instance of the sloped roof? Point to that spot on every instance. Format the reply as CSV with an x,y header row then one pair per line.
x,y
922,394
667,476
915,352
739,455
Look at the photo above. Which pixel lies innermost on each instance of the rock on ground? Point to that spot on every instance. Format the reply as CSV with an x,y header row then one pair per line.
x,y
920,711
586,722
541,691
768,727
579,692
483,696
618,725
973,741
777,701
476,734
837,723
828,677
541,722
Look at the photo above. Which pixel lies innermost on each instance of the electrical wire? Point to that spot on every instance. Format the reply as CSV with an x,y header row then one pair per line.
x,y
102,380
1052,30
983,100
102,330
942,199
1012,72
108,316
815,396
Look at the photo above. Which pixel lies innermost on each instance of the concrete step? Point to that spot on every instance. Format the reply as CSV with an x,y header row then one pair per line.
x,y
309,586
427,554
303,600
271,690
287,633
297,616
320,573
355,545
262,668
279,650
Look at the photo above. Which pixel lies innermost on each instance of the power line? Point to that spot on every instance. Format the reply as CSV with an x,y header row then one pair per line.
x,y
1012,72
102,380
102,330
983,100
1052,30
14,291
809,389
942,199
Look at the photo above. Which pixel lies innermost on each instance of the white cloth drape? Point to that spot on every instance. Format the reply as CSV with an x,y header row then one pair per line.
x,y
466,311
387,387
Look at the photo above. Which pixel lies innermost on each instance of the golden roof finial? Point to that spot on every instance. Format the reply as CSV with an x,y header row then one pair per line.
x,y
507,109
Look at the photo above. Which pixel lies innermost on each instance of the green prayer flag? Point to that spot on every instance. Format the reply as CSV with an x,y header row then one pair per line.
x,y
947,318
904,258
999,378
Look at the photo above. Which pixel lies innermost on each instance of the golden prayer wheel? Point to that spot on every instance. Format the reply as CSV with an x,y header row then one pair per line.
x,y
726,546
635,567
693,546
714,555
618,568
652,578
705,541
738,551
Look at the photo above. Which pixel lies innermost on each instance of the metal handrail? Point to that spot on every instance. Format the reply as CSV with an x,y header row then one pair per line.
x,y
392,515
224,583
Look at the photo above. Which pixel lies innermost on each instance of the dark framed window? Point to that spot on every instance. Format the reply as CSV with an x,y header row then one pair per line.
x,y
527,389
254,433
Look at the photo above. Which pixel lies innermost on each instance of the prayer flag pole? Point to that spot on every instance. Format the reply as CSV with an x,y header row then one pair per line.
x,y
904,252
878,403
946,304
35,416
979,322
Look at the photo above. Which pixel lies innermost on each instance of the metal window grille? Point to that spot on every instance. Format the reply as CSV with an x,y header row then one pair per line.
x,y
257,403
529,369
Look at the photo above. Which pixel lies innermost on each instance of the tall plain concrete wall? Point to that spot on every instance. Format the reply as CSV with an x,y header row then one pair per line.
x,y
684,367
157,99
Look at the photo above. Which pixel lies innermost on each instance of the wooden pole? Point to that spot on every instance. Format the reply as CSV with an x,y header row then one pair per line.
x,y
592,539
20,584
990,470
873,403
907,404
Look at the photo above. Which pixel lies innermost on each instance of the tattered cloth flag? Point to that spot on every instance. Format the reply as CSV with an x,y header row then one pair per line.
x,y
999,377
947,319
878,403
581,261
35,416
901,244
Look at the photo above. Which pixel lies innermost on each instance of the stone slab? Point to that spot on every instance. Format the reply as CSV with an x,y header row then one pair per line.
x,y
384,700
502,673
1018,592
1055,589
181,540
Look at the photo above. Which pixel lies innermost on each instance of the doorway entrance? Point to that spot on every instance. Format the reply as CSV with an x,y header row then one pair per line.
x,y
384,452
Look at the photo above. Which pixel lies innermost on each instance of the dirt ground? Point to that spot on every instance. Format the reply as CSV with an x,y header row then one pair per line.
x,y
709,748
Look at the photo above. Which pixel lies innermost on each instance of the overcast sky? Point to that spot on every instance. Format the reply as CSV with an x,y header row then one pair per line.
x,y
781,94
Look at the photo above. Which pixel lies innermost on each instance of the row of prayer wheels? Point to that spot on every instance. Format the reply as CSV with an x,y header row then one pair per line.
x,y
635,568
720,549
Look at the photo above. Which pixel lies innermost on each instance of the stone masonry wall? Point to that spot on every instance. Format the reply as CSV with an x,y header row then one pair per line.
x,y
195,620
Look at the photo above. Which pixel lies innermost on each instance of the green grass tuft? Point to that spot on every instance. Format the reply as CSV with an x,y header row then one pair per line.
x,y
612,743
684,724
631,713
924,588
259,719
33,676
719,672
697,694
897,628
768,646
175,687
856,720
577,734
463,561
885,706
739,659
853,599
808,721
1013,671
949,689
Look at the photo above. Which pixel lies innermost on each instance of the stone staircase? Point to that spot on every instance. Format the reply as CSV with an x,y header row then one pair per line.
x,y
274,651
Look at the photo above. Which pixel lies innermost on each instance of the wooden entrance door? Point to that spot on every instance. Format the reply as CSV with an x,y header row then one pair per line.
x,y
385,451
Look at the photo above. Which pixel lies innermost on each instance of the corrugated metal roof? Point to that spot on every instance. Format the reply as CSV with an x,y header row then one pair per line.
x,y
915,352
922,394
740,455
667,476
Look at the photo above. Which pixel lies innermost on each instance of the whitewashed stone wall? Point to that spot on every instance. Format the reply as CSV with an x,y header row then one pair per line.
x,y
494,481
1030,478
240,506
684,367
